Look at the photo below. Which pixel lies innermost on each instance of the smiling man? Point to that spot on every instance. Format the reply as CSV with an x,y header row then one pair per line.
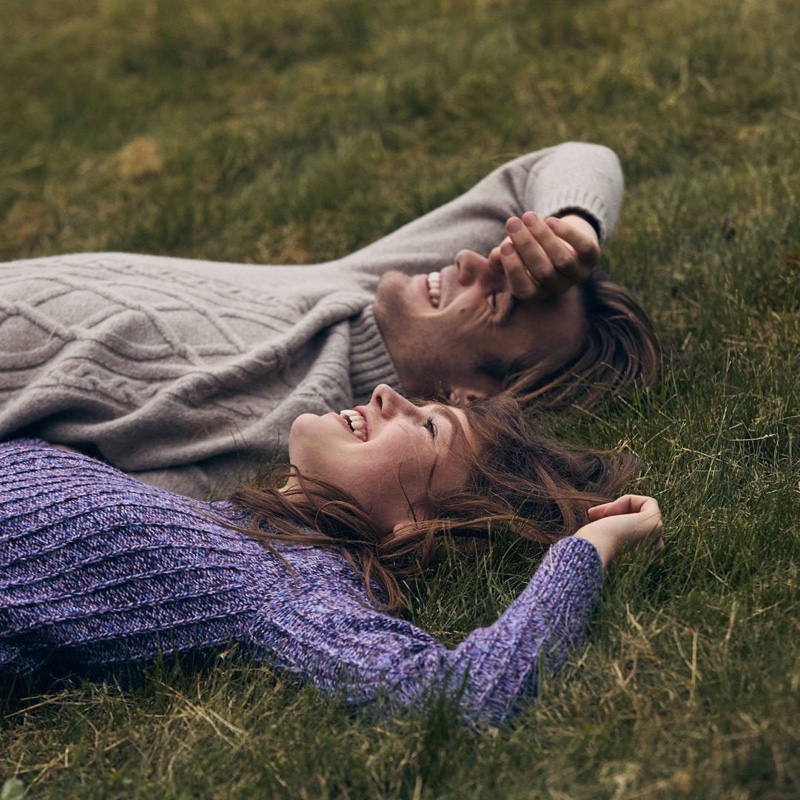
x,y
187,373
471,307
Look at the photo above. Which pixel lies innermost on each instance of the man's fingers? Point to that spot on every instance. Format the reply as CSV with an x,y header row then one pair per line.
x,y
535,261
572,264
523,286
542,258
581,238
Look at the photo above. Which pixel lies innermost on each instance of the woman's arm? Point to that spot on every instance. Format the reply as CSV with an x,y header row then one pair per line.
x,y
324,633
98,570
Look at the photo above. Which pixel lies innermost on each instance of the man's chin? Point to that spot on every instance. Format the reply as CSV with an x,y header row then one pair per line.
x,y
391,306
390,283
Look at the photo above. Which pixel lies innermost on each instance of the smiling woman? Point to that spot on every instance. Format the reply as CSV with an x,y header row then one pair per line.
x,y
390,455
98,570
385,481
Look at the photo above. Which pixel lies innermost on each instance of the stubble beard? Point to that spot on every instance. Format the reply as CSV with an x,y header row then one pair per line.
x,y
408,338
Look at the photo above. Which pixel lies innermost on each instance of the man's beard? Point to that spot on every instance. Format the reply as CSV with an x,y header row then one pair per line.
x,y
412,341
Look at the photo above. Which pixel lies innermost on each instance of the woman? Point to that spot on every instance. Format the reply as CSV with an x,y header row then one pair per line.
x,y
99,570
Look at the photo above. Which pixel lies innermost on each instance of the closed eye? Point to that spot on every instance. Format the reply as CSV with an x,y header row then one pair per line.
x,y
431,426
508,309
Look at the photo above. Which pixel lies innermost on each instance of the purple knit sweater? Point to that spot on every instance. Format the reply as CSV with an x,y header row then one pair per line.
x,y
98,570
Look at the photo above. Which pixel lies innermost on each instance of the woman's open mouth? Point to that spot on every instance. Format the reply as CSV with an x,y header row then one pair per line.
x,y
356,422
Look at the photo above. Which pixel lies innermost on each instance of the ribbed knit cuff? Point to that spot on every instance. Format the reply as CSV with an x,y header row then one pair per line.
x,y
370,363
585,201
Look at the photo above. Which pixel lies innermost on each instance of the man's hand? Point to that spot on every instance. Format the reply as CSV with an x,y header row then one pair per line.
x,y
542,258
624,524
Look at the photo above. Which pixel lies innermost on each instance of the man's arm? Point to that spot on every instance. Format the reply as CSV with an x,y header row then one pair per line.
x,y
575,178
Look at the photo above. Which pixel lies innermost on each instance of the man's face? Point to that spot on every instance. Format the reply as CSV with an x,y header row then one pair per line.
x,y
441,343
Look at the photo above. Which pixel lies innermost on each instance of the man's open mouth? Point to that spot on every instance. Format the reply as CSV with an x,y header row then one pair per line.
x,y
434,288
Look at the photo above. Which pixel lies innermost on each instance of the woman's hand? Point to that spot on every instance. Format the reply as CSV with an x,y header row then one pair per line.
x,y
624,524
542,258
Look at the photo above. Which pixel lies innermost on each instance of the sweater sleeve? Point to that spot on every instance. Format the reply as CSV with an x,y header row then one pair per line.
x,y
331,638
571,176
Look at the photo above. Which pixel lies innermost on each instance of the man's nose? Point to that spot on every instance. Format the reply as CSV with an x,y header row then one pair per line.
x,y
474,268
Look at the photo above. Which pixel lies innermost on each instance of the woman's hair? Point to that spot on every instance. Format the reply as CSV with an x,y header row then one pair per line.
x,y
621,351
519,480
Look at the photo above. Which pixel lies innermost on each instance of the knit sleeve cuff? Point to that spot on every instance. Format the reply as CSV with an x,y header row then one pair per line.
x,y
585,204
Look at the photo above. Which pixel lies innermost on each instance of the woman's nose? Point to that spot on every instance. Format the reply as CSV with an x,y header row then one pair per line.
x,y
388,401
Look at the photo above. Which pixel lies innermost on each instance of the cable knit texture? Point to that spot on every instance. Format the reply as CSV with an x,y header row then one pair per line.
x,y
187,373
99,570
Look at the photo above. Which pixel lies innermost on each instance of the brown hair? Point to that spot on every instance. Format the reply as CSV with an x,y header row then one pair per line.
x,y
519,480
621,351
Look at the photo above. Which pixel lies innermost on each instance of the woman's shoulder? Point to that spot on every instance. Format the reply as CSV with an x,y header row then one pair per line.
x,y
23,444
67,489
60,485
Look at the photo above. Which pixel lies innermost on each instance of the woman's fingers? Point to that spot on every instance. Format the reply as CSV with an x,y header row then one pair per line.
x,y
627,504
624,524
638,515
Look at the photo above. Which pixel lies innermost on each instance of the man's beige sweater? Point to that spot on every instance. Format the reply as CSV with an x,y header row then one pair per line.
x,y
187,373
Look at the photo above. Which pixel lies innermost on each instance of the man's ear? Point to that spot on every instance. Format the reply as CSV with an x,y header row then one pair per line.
x,y
463,396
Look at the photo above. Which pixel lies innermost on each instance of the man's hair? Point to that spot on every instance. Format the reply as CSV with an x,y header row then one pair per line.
x,y
519,480
621,351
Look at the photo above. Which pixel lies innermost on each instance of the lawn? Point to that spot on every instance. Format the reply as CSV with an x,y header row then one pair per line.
x,y
283,132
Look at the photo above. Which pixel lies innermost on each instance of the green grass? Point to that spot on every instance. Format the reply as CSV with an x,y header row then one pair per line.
x,y
296,131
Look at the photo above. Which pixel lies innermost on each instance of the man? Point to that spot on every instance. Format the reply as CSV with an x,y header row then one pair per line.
x,y
188,373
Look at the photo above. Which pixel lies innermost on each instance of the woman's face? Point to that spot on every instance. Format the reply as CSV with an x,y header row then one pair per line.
x,y
390,455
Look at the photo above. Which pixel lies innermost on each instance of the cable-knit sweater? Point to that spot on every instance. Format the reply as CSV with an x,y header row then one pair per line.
x,y
187,373
99,570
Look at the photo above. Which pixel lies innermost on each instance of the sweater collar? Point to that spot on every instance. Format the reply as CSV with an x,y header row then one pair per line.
x,y
370,363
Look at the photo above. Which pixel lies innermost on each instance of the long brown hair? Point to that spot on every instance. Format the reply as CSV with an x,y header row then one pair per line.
x,y
520,480
621,351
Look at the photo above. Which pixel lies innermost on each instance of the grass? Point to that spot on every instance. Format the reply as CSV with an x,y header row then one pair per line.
x,y
298,131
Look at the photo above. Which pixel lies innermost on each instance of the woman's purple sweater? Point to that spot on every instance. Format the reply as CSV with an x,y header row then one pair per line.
x,y
99,570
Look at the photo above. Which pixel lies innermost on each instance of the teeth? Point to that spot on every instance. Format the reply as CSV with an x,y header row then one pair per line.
x,y
434,288
356,423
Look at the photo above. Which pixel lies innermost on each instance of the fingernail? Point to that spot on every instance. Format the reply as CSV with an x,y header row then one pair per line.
x,y
506,248
513,225
530,218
